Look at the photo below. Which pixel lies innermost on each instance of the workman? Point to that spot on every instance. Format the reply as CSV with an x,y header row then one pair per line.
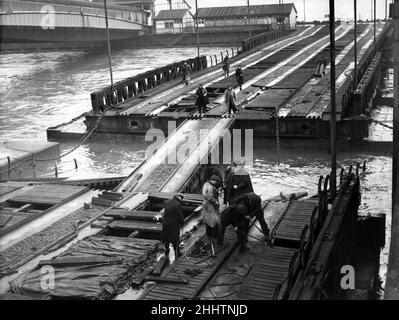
x,y
238,216
173,220
253,203
237,182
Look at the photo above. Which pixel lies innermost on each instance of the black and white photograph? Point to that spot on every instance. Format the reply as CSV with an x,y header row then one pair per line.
x,y
199,157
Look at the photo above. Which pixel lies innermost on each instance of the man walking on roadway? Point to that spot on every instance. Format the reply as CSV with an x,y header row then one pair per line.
x,y
186,72
240,76
202,99
230,99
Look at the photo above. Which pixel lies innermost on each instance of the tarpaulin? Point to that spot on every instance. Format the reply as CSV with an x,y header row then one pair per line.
x,y
98,281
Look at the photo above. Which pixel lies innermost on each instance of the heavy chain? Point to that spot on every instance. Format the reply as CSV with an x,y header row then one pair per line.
x,y
379,122
277,138
59,157
274,230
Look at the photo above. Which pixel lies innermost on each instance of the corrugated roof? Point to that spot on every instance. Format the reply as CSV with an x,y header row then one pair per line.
x,y
242,11
171,14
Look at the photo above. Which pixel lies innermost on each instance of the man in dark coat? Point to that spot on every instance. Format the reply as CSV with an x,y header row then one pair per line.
x,y
173,220
239,77
253,203
237,183
202,99
238,216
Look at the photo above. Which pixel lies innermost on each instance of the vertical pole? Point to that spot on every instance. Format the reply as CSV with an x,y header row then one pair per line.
x,y
375,21
355,40
34,167
196,25
55,169
282,14
304,11
392,284
9,166
333,178
249,18
386,10
109,48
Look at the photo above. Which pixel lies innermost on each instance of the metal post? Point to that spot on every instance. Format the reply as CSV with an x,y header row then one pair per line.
x,y
392,285
249,18
333,180
109,48
9,167
304,11
355,41
196,24
375,21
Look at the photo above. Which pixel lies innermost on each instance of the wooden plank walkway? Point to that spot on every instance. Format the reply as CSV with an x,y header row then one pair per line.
x,y
48,194
172,291
289,232
123,214
136,225
269,271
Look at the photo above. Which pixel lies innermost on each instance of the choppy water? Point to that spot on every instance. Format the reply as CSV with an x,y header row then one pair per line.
x,y
38,90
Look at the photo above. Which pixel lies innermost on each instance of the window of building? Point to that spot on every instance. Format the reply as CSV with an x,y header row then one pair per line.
x,y
169,24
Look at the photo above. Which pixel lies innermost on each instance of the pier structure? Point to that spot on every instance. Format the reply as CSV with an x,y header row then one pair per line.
x,y
125,221
279,79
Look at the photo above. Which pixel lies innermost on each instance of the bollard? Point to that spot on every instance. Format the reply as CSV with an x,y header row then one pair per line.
x,y
364,165
76,164
232,52
216,60
227,51
221,54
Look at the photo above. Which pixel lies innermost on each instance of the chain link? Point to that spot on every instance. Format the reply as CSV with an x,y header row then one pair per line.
x,y
379,122
59,157
274,231
277,138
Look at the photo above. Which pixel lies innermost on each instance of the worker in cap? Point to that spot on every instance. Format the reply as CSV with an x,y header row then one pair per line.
x,y
253,203
210,206
173,220
237,182
238,216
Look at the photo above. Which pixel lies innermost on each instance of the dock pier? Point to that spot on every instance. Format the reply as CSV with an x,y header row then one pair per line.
x,y
123,224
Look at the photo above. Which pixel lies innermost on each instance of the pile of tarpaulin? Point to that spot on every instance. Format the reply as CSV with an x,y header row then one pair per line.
x,y
97,267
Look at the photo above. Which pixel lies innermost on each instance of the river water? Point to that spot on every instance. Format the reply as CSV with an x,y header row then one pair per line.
x,y
39,90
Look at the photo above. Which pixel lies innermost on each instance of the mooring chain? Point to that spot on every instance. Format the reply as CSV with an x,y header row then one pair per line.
x,y
277,138
81,141
274,230
379,122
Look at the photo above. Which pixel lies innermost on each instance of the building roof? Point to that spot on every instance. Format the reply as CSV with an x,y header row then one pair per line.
x,y
242,11
171,14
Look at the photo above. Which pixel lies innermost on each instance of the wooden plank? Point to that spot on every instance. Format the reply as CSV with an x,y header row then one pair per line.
x,y
4,219
160,265
131,225
47,194
79,261
134,215
167,280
